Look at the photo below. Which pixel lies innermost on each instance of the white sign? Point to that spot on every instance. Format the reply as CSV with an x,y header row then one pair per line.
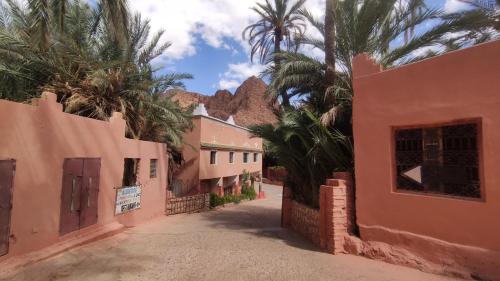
x,y
128,199
414,174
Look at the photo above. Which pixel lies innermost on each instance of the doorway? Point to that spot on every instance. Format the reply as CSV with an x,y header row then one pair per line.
x,y
80,190
7,169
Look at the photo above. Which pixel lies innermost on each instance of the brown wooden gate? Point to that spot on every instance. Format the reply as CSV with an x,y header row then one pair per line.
x,y
7,169
79,197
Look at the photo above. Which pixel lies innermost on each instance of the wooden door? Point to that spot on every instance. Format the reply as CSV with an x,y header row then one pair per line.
x,y
80,191
71,195
7,169
90,192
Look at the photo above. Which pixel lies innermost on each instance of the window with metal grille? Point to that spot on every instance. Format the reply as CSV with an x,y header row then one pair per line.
x,y
439,159
231,157
213,157
153,163
245,157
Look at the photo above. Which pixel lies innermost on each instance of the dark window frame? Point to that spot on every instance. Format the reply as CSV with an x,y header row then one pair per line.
x,y
479,148
153,168
255,157
213,160
245,157
231,157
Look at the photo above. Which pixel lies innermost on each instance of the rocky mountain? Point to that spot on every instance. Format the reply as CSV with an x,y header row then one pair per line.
x,y
248,105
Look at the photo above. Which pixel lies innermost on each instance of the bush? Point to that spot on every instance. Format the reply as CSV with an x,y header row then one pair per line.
x,y
216,200
248,192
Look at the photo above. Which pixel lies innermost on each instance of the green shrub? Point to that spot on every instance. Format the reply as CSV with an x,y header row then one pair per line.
x,y
248,192
215,200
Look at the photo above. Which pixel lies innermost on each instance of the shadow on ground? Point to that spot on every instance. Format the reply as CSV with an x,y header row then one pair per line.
x,y
258,220
82,264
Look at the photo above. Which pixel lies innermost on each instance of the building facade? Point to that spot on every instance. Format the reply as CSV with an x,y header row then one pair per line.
x,y
61,178
216,154
426,141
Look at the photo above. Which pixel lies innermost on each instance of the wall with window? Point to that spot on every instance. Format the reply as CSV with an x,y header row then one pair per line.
x,y
208,153
427,155
223,138
39,138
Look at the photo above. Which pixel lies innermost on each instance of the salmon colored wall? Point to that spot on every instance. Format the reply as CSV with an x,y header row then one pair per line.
x,y
219,133
39,138
190,170
216,132
458,85
223,168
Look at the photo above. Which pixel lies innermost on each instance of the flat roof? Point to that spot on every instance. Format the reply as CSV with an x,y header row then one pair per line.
x,y
221,121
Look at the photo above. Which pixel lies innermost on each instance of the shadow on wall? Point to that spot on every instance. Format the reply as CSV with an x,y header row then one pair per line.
x,y
260,221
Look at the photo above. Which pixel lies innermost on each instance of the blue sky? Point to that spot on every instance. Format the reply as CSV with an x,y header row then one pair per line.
x,y
206,37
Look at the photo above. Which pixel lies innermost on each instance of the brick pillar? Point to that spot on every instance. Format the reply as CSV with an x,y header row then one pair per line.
x,y
335,214
286,207
350,199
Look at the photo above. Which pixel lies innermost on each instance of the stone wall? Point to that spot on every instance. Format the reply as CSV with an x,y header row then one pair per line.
x,y
305,220
327,226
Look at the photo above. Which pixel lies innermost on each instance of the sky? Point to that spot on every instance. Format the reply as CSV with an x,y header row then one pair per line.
x,y
206,37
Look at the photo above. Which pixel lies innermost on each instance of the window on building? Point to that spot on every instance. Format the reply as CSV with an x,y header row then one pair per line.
x,y
130,171
213,157
153,163
255,157
231,157
245,157
439,159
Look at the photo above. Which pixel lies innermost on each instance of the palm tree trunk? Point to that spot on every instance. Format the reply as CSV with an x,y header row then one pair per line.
x,y
330,42
277,64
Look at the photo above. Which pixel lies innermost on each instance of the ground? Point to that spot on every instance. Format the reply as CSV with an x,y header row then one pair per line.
x,y
238,242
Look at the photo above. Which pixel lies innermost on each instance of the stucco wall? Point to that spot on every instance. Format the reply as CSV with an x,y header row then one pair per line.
x,y
188,176
222,136
218,133
456,86
39,138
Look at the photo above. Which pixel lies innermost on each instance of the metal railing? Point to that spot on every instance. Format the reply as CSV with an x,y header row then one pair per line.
x,y
188,204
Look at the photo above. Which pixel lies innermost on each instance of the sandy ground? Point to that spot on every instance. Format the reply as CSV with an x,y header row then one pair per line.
x,y
240,242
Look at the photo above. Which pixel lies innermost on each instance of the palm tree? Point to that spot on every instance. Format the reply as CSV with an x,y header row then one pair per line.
x,y
46,14
92,76
371,26
416,7
308,150
278,24
329,32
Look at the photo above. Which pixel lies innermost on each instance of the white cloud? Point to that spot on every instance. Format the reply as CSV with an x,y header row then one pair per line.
x,y
237,73
213,21
183,21
453,6
228,84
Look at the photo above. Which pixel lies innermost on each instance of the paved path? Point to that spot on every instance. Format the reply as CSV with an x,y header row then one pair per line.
x,y
242,242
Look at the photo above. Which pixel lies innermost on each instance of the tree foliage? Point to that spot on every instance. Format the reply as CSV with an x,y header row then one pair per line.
x,y
314,135
278,24
97,61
